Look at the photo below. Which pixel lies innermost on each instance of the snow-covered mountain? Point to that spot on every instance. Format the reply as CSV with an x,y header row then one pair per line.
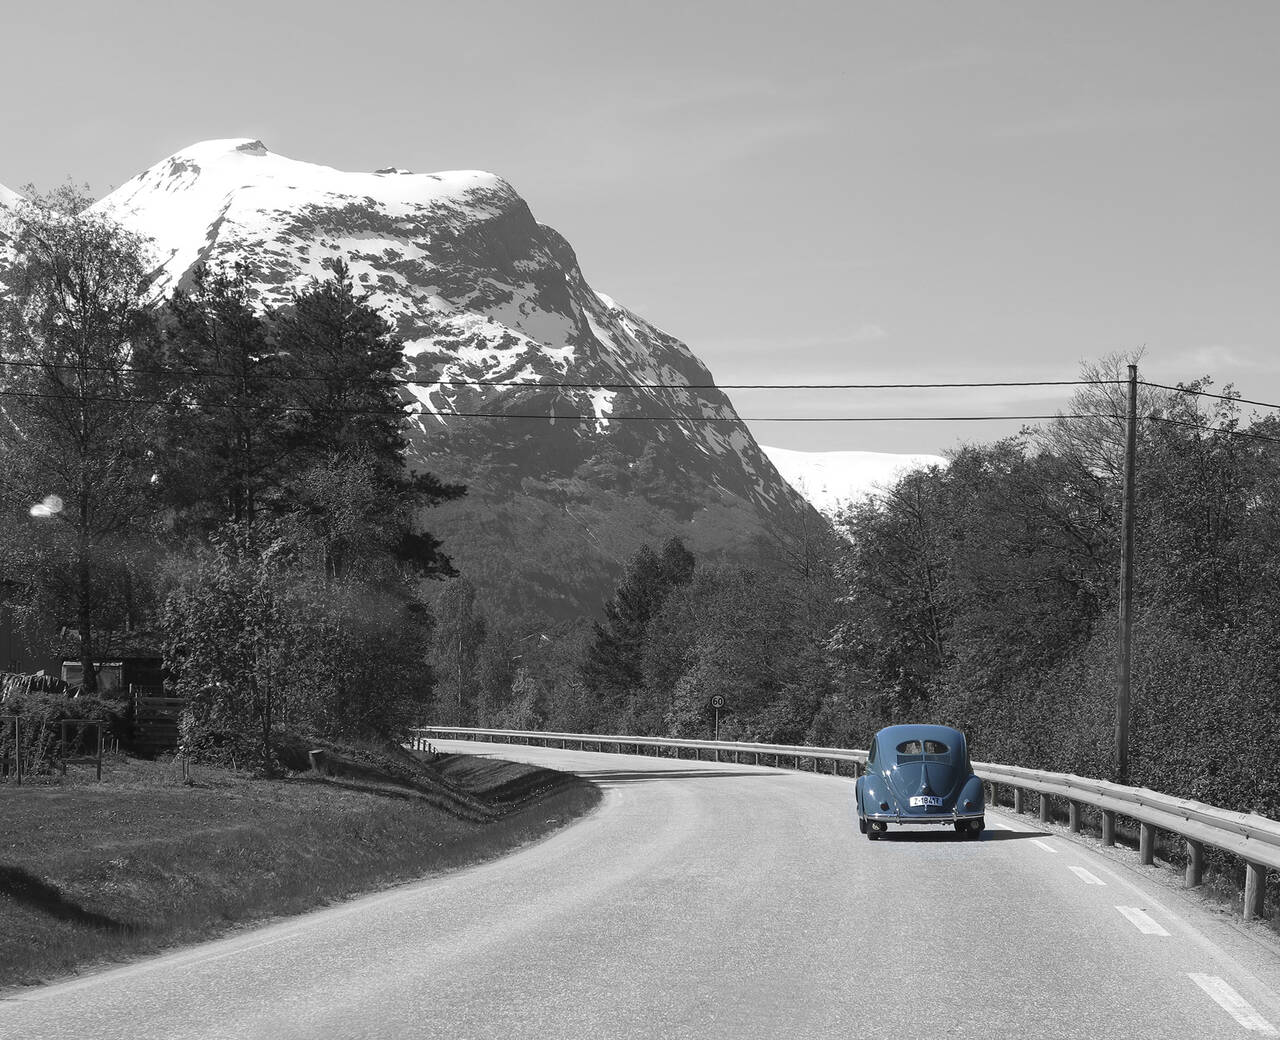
x,y
9,200
480,291
832,479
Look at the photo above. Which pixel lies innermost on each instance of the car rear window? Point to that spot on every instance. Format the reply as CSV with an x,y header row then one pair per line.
x,y
923,751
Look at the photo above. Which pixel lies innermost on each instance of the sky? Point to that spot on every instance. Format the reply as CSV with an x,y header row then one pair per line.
x,y
803,192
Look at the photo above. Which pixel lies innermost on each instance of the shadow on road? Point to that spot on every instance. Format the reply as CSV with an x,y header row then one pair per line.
x,y
608,776
948,834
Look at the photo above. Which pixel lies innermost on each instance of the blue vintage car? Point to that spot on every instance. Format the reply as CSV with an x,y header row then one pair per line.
x,y
919,774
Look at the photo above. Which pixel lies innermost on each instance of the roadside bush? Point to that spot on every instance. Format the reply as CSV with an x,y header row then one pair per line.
x,y
40,716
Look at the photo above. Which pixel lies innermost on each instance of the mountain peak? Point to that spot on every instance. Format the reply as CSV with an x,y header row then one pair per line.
x,y
236,190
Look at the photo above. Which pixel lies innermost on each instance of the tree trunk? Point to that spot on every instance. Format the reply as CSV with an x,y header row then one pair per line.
x,y
84,592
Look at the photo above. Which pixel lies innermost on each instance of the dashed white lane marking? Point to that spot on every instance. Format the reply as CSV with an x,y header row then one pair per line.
x,y
1044,845
1086,877
1234,1004
1142,921
998,825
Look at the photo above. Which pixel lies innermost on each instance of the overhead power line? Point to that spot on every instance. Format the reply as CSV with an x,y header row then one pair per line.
x,y
543,416
1206,393
554,384
1213,429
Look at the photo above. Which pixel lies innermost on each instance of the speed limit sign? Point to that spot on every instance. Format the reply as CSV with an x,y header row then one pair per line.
x,y
717,701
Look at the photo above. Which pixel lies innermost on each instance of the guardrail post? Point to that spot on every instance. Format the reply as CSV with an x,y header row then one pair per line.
x,y
1195,863
1108,827
1017,799
757,758
835,768
1255,877
1073,817
1044,808
1146,844
995,794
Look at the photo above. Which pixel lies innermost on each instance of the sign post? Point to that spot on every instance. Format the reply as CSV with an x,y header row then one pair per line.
x,y
717,702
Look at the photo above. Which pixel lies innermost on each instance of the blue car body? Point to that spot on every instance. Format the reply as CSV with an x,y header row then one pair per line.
x,y
919,774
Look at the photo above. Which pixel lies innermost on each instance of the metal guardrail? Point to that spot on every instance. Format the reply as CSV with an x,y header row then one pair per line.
x,y
1253,839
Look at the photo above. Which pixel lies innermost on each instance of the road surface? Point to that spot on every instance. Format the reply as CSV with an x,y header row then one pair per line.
x,y
704,901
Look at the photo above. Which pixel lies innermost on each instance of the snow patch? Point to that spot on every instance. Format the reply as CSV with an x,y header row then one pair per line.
x,y
833,479
601,404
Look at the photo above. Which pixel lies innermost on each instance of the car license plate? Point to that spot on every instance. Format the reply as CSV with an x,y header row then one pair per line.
x,y
924,799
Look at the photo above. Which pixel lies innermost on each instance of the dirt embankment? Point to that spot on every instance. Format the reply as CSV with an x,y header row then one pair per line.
x,y
92,872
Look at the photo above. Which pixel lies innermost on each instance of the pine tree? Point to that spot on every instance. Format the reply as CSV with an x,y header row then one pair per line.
x,y
339,357
614,663
224,455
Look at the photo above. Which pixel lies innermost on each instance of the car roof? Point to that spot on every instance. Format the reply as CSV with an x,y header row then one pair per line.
x,y
894,735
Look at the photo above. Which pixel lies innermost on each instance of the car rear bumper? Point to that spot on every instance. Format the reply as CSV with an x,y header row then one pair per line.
x,y
951,817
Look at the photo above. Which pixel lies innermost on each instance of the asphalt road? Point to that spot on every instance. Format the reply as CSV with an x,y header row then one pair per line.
x,y
707,901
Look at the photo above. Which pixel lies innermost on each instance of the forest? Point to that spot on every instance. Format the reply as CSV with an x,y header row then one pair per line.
x,y
982,594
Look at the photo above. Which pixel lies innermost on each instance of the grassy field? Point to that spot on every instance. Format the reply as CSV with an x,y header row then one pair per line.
x,y
92,872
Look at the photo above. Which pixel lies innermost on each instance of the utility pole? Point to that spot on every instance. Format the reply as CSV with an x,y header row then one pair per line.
x,y
1126,581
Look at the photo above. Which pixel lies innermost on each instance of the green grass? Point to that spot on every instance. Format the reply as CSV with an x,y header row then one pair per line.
x,y
92,872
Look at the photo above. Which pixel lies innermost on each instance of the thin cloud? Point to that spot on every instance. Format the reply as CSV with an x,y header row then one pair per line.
x,y
1099,119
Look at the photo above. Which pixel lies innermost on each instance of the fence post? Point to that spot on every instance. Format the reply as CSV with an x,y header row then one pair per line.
x,y
1017,799
1146,844
62,732
100,753
1108,827
1044,808
1255,878
1073,817
17,750
1195,863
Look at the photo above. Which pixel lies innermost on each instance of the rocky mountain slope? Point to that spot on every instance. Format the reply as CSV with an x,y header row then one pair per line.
x,y
481,292
833,479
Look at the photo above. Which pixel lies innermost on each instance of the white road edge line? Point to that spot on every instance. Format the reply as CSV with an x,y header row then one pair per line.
x,y
1044,845
1142,921
1086,876
1234,1004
